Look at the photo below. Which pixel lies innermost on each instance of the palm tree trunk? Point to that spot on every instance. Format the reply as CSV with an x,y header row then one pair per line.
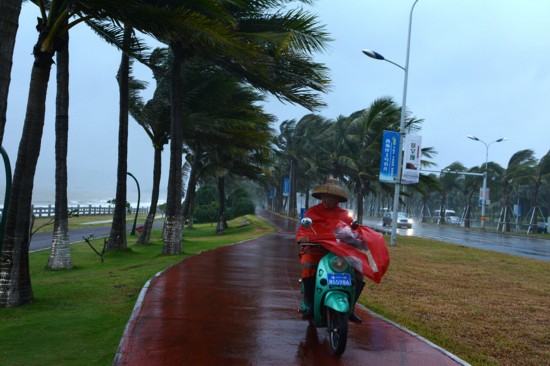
x,y
60,255
117,237
174,218
145,235
9,22
15,280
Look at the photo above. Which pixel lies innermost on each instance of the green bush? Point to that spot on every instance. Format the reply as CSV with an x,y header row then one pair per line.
x,y
207,205
206,213
241,207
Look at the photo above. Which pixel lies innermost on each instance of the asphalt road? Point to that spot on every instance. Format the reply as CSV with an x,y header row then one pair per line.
x,y
42,241
520,245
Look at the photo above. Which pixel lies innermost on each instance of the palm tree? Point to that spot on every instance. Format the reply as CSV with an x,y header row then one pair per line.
x,y
9,22
471,186
60,256
269,50
117,236
450,180
539,178
363,141
154,117
17,290
519,170
52,27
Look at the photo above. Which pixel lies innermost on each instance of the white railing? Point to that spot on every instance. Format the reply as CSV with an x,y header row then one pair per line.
x,y
49,211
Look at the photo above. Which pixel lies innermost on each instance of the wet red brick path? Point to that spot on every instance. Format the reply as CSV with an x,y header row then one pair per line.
x,y
237,305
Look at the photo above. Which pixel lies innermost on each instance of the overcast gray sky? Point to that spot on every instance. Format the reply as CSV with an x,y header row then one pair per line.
x,y
477,67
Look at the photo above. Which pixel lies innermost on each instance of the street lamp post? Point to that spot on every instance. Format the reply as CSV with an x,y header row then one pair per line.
x,y
7,167
484,190
397,188
133,232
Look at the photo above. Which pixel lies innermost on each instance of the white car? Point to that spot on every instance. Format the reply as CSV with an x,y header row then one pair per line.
x,y
403,221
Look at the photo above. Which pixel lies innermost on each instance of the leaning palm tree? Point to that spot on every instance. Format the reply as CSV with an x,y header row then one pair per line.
x,y
519,170
362,143
470,187
154,118
539,178
260,43
17,290
450,181
52,26
9,21
117,236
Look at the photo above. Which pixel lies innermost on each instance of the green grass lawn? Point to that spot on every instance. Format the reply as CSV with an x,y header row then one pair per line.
x,y
78,315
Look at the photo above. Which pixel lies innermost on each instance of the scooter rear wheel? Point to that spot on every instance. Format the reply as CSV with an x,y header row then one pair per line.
x,y
337,325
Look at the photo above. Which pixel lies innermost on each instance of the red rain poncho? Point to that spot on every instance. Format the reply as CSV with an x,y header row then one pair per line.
x,y
364,248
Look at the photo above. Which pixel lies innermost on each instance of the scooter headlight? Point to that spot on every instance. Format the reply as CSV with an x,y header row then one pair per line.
x,y
339,264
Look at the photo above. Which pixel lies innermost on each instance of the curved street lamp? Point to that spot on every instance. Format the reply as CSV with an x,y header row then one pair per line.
x,y
7,166
133,232
484,191
377,56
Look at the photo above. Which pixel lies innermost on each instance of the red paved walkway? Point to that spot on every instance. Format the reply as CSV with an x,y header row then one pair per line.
x,y
237,305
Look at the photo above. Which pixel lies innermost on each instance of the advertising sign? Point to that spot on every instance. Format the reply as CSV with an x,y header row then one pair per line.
x,y
271,192
286,186
389,157
411,159
486,195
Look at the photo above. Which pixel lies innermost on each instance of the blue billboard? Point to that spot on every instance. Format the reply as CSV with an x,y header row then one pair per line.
x,y
389,158
286,186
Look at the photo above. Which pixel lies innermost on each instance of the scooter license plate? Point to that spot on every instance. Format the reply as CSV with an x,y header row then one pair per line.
x,y
339,279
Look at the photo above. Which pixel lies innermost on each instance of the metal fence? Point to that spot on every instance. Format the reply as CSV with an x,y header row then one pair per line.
x,y
49,211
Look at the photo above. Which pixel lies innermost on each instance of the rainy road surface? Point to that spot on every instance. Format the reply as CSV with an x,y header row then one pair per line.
x,y
519,245
237,305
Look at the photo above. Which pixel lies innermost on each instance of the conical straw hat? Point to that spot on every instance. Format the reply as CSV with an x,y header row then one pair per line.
x,y
331,187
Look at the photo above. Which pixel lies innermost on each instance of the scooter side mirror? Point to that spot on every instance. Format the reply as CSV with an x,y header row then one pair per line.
x,y
306,222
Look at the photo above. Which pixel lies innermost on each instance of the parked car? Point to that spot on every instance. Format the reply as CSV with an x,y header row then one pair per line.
x,y
542,228
403,221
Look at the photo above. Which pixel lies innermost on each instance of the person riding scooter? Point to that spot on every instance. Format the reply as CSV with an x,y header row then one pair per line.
x,y
325,213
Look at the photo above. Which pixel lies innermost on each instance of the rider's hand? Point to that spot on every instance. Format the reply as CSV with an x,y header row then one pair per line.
x,y
303,239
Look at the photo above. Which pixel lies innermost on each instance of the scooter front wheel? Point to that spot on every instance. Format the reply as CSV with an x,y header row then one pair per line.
x,y
337,325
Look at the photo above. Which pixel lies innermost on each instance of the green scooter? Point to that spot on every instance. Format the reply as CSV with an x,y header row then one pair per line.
x,y
333,298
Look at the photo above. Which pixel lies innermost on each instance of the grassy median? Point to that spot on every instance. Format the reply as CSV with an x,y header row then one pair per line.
x,y
487,308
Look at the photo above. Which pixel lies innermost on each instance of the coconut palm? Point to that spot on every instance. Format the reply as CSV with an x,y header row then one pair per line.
x,y
60,255
117,236
519,170
363,142
9,22
52,27
268,49
154,118
540,177
471,186
451,180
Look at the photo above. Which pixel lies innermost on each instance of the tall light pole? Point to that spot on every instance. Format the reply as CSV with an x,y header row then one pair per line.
x,y
484,190
397,188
